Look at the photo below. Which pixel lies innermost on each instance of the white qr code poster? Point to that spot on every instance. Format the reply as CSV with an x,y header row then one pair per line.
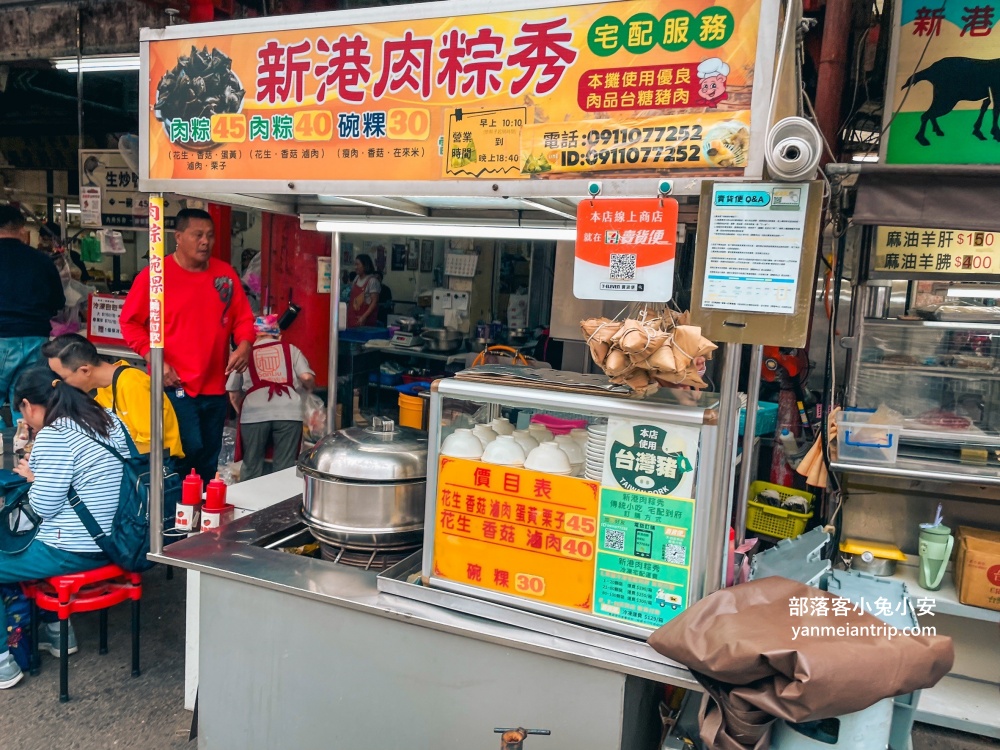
x,y
755,247
625,249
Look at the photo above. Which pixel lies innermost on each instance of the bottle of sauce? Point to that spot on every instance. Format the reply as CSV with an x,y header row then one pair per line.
x,y
189,508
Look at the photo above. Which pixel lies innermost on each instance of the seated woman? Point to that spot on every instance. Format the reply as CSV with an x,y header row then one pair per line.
x,y
68,425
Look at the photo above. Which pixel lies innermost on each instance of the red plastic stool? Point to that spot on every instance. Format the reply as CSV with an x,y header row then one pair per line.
x,y
90,591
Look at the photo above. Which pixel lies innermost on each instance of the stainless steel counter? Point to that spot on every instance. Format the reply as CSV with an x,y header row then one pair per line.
x,y
237,552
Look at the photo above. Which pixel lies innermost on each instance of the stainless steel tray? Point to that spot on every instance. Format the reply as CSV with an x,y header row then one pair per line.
x,y
394,581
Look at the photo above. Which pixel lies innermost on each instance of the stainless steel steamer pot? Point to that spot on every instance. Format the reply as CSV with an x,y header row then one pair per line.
x,y
364,486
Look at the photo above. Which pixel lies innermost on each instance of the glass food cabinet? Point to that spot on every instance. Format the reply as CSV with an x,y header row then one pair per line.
x,y
937,364
619,543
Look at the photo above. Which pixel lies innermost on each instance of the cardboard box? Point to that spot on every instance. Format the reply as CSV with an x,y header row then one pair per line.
x,y
977,567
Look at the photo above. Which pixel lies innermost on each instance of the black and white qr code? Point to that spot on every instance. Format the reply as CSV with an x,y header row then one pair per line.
x,y
614,539
674,554
623,266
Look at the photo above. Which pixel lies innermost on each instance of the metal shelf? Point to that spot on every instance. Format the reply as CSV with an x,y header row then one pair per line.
x,y
945,324
928,471
962,704
931,371
945,599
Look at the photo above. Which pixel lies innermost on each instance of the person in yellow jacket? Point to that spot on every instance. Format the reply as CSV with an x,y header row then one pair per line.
x,y
119,387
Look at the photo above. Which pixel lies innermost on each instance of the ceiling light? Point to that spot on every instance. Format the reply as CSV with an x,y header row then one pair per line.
x,y
869,157
430,229
975,292
97,64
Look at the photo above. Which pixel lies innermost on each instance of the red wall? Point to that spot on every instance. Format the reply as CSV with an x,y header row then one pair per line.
x,y
288,262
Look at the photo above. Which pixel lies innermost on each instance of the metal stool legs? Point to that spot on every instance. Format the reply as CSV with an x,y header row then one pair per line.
x,y
103,649
35,658
135,638
64,661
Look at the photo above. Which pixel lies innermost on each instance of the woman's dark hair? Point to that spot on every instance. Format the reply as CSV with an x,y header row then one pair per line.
x,y
73,350
42,387
366,262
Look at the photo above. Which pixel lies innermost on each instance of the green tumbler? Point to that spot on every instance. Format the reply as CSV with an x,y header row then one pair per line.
x,y
936,543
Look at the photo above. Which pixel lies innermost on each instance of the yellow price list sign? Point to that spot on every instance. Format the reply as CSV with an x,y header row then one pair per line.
x,y
517,532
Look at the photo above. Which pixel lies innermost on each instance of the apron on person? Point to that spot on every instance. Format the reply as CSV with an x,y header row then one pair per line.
x,y
270,367
356,303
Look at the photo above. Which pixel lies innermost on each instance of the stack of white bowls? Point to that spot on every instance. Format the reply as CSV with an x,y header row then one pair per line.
x,y
506,451
549,458
597,438
573,451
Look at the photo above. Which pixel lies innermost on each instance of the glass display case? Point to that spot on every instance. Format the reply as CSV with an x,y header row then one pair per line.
x,y
937,365
573,504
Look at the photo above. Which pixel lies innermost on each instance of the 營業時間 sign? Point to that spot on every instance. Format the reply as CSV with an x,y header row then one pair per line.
x,y
619,88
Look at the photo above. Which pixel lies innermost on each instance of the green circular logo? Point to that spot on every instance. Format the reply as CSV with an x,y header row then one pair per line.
x,y
645,465
676,29
642,32
713,27
606,36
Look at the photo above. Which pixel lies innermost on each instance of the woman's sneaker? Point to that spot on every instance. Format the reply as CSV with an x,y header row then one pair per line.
x,y
48,639
10,673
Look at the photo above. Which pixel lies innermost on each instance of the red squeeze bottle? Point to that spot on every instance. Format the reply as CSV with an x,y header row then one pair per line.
x,y
191,489
215,495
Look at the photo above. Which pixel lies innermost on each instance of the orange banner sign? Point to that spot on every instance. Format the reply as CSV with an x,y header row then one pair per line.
x,y
517,532
619,88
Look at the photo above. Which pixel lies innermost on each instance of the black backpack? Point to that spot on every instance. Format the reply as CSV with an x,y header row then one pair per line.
x,y
127,543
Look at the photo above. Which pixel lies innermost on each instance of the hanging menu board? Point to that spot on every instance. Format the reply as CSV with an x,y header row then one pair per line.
x,y
623,89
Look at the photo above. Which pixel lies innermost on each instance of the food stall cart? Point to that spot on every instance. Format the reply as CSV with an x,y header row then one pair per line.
x,y
474,126
922,342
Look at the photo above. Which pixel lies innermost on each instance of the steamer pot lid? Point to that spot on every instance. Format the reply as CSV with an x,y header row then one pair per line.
x,y
382,452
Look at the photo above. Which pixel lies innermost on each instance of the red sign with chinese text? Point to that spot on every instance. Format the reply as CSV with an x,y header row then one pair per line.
x,y
103,326
517,532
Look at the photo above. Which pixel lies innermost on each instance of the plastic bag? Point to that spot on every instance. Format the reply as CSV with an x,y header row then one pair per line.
x,y
313,417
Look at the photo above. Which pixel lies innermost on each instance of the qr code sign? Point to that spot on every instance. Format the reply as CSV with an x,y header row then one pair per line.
x,y
674,554
623,266
614,540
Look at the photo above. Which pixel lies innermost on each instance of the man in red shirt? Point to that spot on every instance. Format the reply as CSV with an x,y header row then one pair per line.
x,y
204,310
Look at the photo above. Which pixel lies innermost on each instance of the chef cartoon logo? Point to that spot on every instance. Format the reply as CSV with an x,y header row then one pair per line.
x,y
712,75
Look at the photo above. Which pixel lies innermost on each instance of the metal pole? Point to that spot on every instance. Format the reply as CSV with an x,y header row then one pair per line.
x,y
332,382
717,549
749,432
79,78
156,373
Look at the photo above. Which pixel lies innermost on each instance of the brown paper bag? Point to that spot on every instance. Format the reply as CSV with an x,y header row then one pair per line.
x,y
743,636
